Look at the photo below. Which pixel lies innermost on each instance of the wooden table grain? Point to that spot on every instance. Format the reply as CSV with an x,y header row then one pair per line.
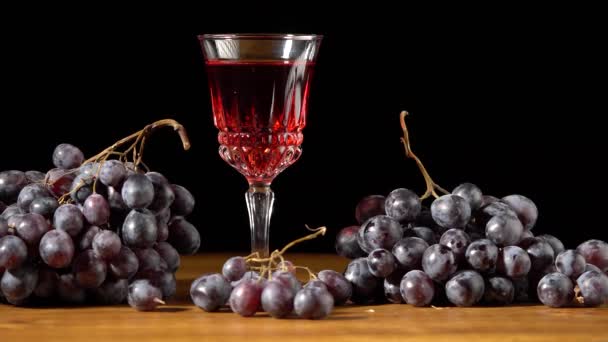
x,y
179,320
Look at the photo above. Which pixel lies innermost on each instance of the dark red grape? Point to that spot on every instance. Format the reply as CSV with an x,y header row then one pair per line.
x,y
339,287
112,173
540,253
169,255
513,262
139,229
210,292
67,156
379,232
96,210
471,193
69,291
313,303
570,263
245,298
183,236
369,207
106,245
451,211
234,268
381,262
13,252
143,296
44,206
457,240
184,202
163,192
408,253
125,265
417,288
482,255
499,291
347,244
555,290
504,230
465,288
403,205
59,181
364,284
11,183
56,248
137,191
112,292
69,219
439,262
277,299
595,252
524,208
594,288
17,284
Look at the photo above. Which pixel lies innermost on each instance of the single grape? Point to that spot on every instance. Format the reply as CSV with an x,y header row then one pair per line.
x,y
482,255
125,265
56,248
594,288
69,219
17,284
245,298
451,211
85,239
555,290
89,270
381,262
29,193
513,262
570,263
112,292
457,240
369,207
183,204
139,229
408,253
526,234
277,299
403,205
112,172
498,208
234,268
11,183
96,210
555,243
69,291
540,253
379,232
47,283
392,287
364,284
524,208
465,288
339,287
183,236
67,156
347,244
471,193
106,245
438,262
210,292
59,181
426,234
31,227
143,296
313,303
163,192
595,252
499,291
169,254
82,188
316,284
13,252
504,230
44,206
137,191
417,288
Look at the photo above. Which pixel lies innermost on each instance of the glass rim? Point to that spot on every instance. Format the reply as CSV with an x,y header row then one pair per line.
x,y
269,36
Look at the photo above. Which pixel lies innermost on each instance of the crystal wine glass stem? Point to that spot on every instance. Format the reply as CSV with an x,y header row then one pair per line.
x,y
259,204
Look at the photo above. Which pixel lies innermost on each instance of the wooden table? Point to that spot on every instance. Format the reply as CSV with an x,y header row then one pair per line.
x,y
181,321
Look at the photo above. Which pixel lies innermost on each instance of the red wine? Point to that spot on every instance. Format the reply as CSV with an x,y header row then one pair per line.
x,y
260,109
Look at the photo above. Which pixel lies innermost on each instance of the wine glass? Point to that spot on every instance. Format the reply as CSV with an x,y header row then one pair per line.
x,y
259,87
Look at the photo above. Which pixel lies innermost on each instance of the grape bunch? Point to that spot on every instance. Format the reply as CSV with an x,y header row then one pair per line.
x,y
92,231
248,285
465,249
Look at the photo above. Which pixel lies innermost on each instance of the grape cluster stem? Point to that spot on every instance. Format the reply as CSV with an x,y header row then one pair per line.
x,y
270,264
136,149
431,186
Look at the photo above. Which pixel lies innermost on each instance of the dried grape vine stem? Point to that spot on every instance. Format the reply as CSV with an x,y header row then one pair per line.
x,y
267,265
137,140
431,186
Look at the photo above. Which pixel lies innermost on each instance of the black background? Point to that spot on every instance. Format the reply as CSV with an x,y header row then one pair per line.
x,y
512,99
